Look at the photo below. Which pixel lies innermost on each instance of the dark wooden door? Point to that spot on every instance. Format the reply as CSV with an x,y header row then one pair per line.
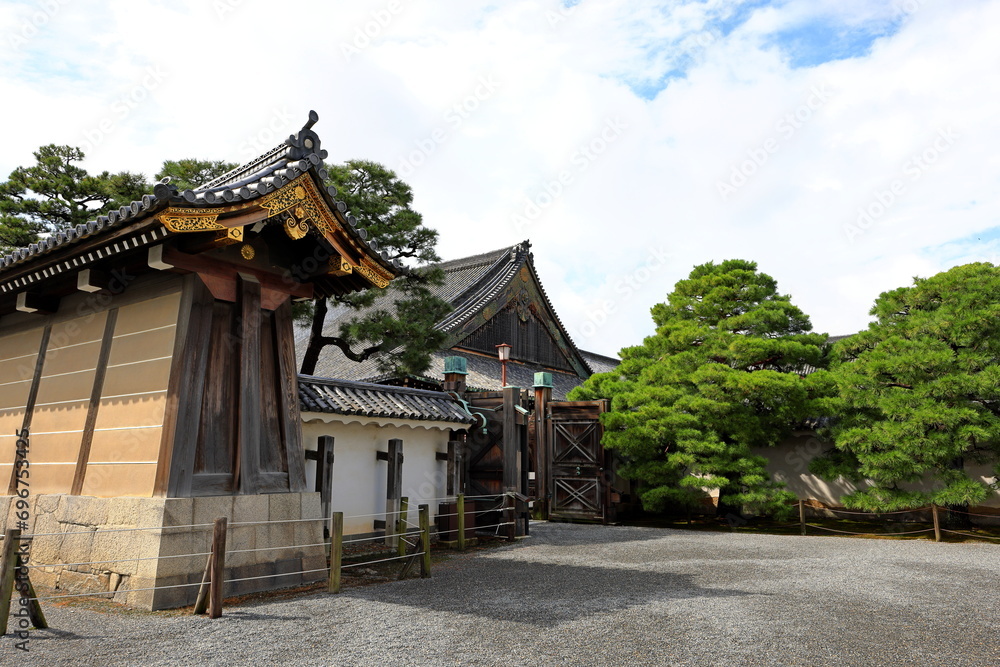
x,y
579,466
484,456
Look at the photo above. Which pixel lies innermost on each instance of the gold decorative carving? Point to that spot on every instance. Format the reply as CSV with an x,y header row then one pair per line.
x,y
185,220
305,201
374,273
339,267
248,252
296,229
228,236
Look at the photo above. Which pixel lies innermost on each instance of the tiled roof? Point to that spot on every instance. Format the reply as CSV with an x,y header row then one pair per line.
x,y
470,283
372,400
600,363
299,154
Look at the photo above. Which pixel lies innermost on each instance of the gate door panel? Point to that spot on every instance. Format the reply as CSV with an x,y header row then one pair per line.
x,y
578,461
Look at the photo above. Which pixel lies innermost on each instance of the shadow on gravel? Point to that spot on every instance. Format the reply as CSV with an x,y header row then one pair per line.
x,y
574,534
541,594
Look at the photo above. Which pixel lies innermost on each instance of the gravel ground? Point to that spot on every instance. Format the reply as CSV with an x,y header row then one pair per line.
x,y
595,595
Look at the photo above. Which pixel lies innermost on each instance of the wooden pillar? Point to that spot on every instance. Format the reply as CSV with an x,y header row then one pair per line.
x,y
802,516
393,490
543,394
456,454
248,460
511,440
324,472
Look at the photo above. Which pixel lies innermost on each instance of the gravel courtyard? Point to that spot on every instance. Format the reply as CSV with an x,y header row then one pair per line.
x,y
595,595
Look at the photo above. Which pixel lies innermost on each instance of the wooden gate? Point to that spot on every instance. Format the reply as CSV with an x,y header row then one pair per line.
x,y
484,456
579,468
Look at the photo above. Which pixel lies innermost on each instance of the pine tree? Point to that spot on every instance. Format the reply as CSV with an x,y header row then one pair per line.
x,y
724,373
919,394
56,193
402,338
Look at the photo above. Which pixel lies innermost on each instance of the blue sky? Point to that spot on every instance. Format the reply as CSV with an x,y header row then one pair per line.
x,y
612,134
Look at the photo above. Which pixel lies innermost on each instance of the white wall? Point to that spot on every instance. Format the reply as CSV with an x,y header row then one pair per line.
x,y
789,463
359,479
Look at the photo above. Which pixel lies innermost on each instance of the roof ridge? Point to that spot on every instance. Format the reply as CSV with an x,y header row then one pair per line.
x,y
357,384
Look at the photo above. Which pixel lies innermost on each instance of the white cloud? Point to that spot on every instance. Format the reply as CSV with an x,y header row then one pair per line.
x,y
561,80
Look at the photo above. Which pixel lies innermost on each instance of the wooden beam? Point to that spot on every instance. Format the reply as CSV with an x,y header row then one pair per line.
x,y
29,406
95,403
185,392
249,421
34,302
288,399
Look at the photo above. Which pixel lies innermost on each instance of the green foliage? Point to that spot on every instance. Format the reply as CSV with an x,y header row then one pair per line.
x,y
56,193
919,392
400,338
189,174
721,376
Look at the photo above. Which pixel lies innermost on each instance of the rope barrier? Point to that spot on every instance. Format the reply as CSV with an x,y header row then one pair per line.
x,y
379,537
123,560
123,590
988,516
830,509
257,523
958,532
496,525
114,530
848,532
382,560
272,576
290,546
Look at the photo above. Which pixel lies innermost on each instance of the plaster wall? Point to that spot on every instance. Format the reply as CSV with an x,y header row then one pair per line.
x,y
359,480
789,463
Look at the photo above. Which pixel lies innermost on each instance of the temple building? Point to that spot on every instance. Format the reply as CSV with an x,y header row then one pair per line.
x,y
147,358
496,298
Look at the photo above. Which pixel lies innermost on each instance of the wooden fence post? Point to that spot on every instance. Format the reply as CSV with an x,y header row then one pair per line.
x,y
217,581
336,551
937,523
802,516
460,508
8,567
404,504
425,540
510,516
